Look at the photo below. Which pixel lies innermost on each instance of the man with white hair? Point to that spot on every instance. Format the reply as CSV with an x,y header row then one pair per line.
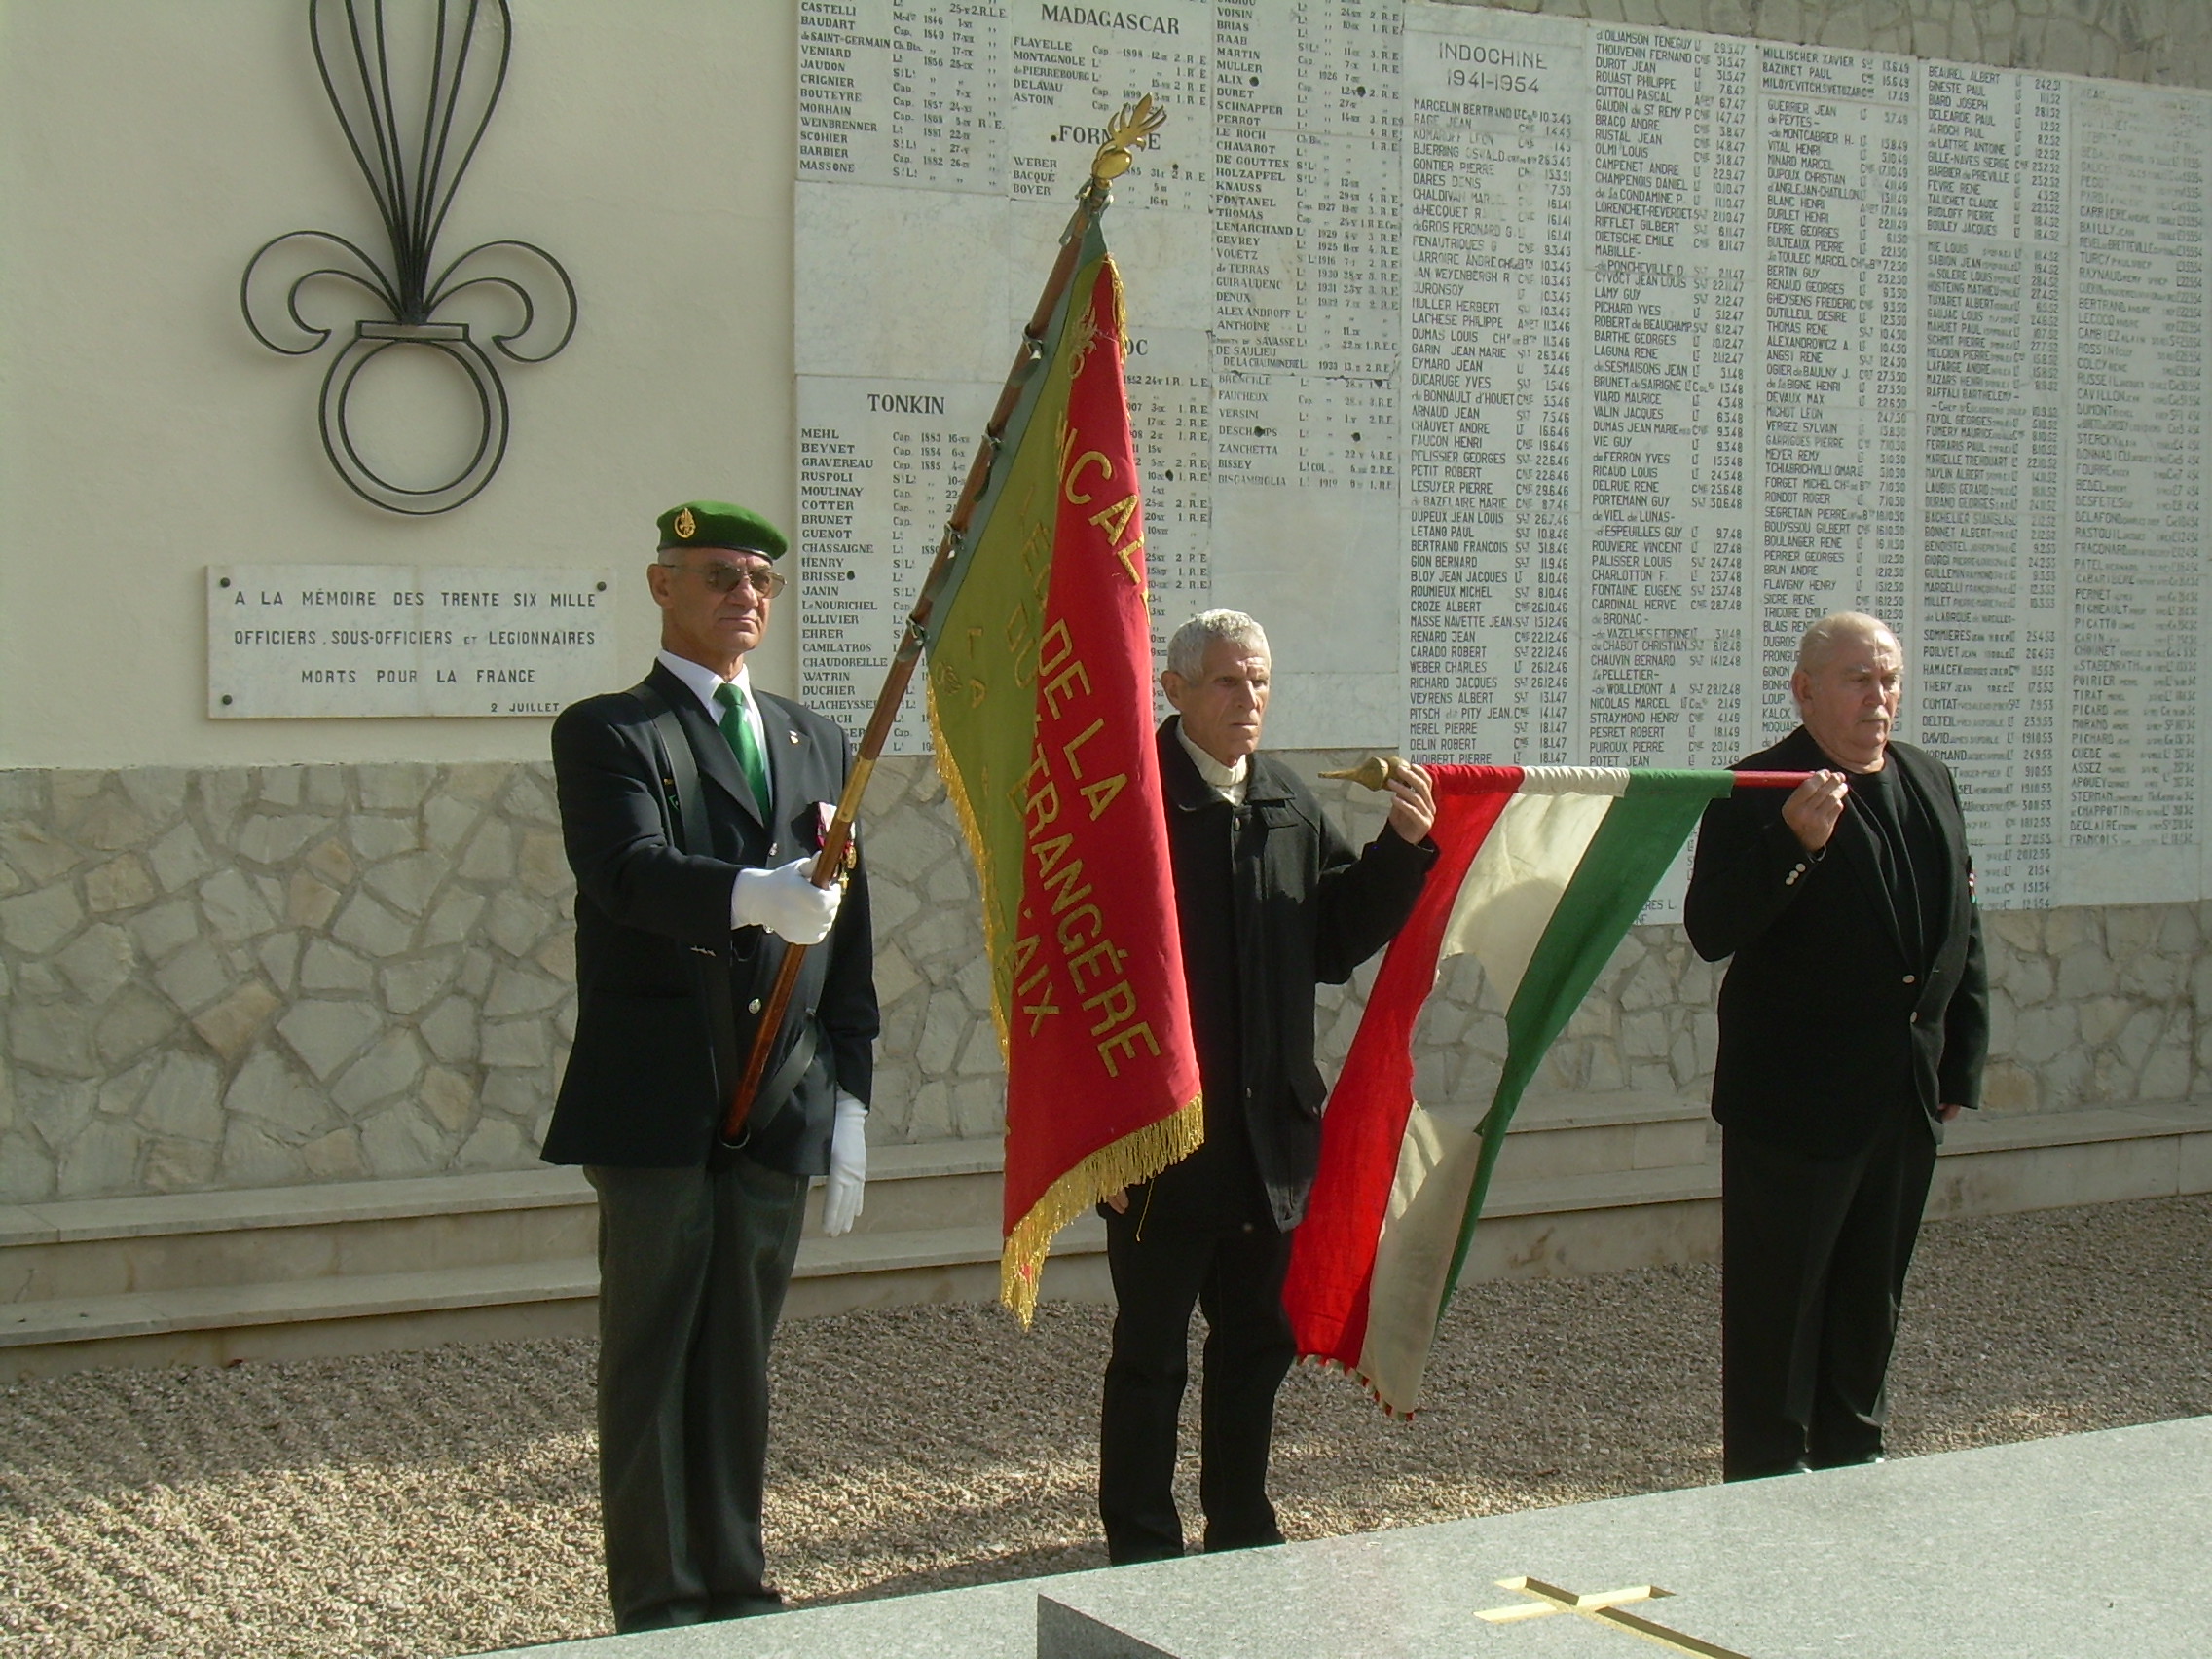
x,y
1853,1024
1269,901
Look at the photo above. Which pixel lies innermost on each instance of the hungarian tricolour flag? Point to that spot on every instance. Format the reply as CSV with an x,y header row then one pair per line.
x,y
1542,870
1040,692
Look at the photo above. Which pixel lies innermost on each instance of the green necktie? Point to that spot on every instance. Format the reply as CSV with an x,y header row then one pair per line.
x,y
743,745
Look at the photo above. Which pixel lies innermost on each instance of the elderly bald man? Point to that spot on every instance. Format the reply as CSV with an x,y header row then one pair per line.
x,y
1854,1025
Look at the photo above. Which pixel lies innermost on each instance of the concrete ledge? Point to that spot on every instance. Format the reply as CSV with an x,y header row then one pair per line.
x,y
305,1284
859,1252
1539,1113
341,1297
340,1336
1994,1165
67,1221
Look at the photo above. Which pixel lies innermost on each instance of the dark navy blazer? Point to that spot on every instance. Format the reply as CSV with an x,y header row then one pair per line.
x,y
644,1086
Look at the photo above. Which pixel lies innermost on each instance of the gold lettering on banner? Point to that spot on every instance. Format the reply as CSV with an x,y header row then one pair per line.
x,y
1128,554
1020,639
1606,1607
1090,960
1113,1005
1055,647
1126,1041
1076,471
1065,891
1064,684
1043,808
1038,985
1101,959
1101,795
1115,520
1068,749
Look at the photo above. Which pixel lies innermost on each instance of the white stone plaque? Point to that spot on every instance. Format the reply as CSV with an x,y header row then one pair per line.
x,y
882,462
338,641
1536,382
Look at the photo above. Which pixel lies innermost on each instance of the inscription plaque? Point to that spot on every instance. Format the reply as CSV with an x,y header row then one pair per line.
x,y
325,642
1536,382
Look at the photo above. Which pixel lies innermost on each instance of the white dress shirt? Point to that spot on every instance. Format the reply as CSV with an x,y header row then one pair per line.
x,y
704,682
1228,782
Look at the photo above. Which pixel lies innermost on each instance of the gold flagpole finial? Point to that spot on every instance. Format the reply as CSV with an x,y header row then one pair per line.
x,y
1136,126
1374,772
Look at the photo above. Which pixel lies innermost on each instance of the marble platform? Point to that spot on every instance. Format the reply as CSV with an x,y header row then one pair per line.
x,y
2088,1545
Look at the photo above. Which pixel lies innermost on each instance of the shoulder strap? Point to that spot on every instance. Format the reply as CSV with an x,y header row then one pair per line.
x,y
684,806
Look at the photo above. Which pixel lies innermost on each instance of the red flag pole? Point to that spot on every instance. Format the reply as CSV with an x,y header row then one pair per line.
x,y
1129,131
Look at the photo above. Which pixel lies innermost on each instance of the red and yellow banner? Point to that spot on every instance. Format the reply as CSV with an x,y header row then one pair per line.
x,y
1040,688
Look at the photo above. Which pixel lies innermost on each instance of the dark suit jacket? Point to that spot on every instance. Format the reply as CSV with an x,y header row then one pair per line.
x,y
1308,910
644,1088
1827,1025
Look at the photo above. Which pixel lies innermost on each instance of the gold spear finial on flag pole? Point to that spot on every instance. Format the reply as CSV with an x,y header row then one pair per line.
x,y
1130,131
1374,772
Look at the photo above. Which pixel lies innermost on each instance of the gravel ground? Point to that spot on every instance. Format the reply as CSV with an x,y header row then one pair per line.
x,y
442,1503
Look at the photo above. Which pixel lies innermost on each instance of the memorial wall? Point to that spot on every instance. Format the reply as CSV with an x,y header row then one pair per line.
x,y
314,934
1536,381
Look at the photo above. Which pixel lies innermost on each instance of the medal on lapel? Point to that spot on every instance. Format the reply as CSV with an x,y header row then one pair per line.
x,y
824,813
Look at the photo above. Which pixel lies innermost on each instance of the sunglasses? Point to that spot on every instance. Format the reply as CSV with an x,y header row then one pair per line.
x,y
724,576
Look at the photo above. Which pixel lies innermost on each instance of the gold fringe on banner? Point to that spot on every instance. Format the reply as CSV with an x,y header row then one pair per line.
x,y
1136,1157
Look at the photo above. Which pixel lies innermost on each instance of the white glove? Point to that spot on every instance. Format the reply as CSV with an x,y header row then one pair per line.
x,y
786,903
848,1167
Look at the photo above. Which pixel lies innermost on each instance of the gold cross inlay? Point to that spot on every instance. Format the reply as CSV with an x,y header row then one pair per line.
x,y
1601,1607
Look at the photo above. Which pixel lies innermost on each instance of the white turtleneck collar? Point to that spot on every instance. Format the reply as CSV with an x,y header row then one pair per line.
x,y
1226,781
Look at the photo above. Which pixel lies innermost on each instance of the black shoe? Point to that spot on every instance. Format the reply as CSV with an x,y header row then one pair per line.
x,y
1136,1555
1799,1467
1257,1542
1852,1460
745,1605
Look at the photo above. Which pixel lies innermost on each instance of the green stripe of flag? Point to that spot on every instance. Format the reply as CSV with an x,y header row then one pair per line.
x,y
1624,862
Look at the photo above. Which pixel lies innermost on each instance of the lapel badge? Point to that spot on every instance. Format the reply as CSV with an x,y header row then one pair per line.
x,y
825,813
686,526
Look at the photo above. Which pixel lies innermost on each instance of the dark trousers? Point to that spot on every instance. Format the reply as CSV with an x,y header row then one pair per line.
x,y
1814,1254
692,1270
1236,1276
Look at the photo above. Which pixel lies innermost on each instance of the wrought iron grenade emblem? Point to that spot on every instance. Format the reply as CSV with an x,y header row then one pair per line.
x,y
412,151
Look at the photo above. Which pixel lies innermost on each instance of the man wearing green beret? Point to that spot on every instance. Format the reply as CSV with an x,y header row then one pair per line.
x,y
692,807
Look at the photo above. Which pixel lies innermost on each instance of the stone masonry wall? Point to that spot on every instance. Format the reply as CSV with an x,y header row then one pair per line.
x,y
247,977
258,976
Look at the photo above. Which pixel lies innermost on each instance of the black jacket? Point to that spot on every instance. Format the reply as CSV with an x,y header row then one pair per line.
x,y
1828,1025
1306,911
644,1088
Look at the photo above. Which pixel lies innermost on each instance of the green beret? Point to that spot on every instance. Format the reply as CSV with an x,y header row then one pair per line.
x,y
720,524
